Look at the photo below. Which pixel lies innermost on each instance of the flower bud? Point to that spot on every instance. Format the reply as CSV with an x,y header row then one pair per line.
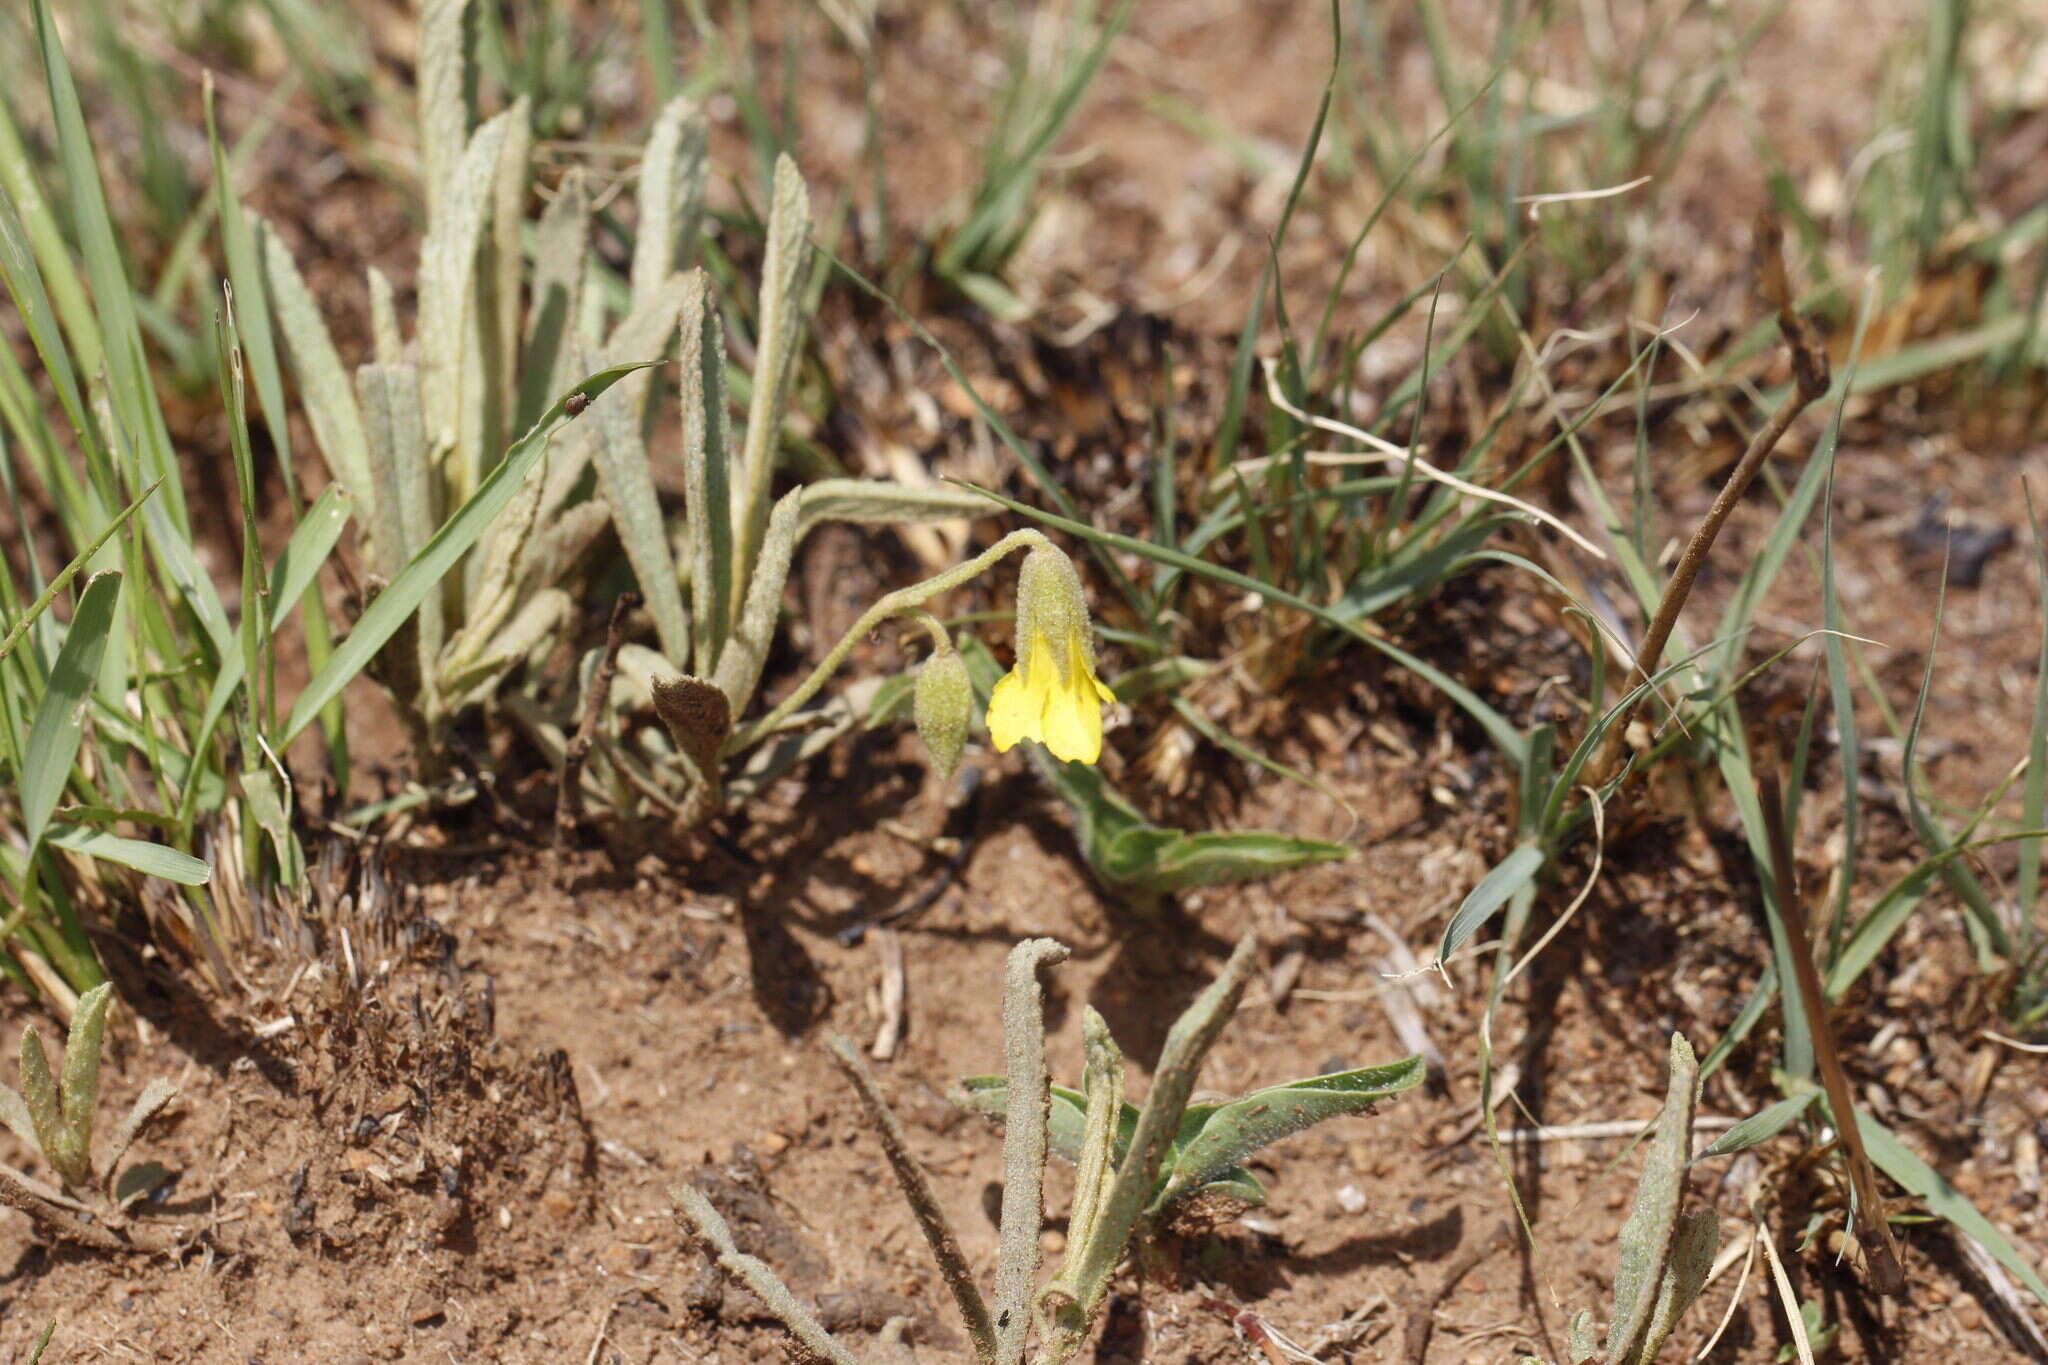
x,y
942,705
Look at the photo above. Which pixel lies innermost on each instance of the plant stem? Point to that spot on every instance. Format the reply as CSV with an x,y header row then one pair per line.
x,y
569,795
917,1190
756,1275
1024,1142
1810,371
890,604
1873,1231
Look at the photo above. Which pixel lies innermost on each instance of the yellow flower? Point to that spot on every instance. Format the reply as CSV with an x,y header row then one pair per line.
x,y
1052,695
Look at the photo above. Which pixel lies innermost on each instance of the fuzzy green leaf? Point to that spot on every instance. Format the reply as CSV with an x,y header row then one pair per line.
x,y
39,1093
1232,1132
1693,1245
1646,1238
71,1154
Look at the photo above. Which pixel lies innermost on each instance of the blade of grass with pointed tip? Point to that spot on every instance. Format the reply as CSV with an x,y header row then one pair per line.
x,y
63,579
59,724
2034,799
438,556
1760,1127
1506,878
1918,1178
155,860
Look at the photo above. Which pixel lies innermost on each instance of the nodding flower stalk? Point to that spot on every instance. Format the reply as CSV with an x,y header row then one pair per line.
x,y
1052,694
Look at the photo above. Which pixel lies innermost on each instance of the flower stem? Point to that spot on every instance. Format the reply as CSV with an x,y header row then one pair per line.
x,y
886,606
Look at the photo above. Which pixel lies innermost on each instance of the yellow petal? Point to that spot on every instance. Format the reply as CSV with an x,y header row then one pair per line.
x,y
1073,712
1012,712
1073,725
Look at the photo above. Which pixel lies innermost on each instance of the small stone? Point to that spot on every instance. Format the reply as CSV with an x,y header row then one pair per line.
x,y
1052,1241
1351,1199
773,1143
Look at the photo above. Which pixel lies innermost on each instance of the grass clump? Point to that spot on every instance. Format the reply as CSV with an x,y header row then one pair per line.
x,y
140,734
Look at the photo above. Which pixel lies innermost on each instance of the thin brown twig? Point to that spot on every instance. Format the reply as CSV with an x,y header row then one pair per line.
x,y
1873,1231
1810,376
569,799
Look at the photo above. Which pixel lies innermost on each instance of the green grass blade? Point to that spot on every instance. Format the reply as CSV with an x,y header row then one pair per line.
x,y
2034,799
59,724
127,366
63,579
438,556
1896,1160
155,860
1507,877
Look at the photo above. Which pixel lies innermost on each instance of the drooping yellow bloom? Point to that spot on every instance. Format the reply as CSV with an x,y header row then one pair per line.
x,y
1052,694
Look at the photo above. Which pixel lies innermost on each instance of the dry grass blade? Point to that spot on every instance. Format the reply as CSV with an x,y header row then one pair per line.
x,y
1873,1231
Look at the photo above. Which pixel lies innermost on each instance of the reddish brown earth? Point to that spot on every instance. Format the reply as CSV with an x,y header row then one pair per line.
x,y
453,1138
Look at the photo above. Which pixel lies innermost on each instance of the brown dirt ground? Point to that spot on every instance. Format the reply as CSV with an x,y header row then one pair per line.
x,y
448,1129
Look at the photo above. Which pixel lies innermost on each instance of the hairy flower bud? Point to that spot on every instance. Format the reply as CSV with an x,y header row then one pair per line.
x,y
942,705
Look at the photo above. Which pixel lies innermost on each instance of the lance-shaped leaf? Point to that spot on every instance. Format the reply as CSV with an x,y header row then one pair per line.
x,y
148,1105
671,194
448,262
491,386
1693,1245
1760,1127
1103,1139
623,470
1647,1237
1508,876
1581,1345
1143,861
783,272
1024,1141
741,661
324,389
1225,1135
154,860
387,345
560,244
447,93
71,1152
707,472
39,1094
881,502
